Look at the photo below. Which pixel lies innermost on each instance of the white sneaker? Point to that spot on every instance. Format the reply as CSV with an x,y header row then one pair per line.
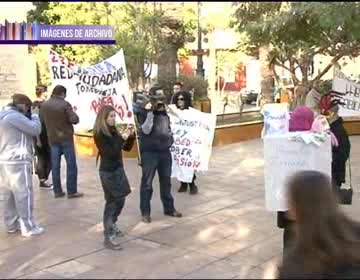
x,y
34,231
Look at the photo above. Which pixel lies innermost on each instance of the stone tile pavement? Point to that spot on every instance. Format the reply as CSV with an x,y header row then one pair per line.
x,y
225,233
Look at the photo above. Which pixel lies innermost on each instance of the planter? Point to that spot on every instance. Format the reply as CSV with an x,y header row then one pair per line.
x,y
224,135
203,105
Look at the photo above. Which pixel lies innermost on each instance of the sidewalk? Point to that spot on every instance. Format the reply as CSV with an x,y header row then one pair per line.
x,y
225,233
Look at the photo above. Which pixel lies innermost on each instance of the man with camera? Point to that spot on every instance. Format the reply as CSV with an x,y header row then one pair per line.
x,y
18,126
155,142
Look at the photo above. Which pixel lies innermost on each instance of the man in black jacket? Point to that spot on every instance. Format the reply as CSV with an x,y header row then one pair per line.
x,y
155,142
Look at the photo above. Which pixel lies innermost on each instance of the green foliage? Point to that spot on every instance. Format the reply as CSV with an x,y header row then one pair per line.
x,y
196,83
297,31
140,29
136,30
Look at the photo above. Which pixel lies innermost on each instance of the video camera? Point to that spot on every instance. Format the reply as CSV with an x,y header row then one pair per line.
x,y
157,101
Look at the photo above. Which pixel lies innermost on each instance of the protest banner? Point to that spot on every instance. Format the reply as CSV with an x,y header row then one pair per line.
x,y
284,156
351,97
88,88
193,133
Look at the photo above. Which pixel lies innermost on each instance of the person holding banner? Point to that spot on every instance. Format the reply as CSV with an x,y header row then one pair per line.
x,y
155,141
42,147
301,120
182,100
110,143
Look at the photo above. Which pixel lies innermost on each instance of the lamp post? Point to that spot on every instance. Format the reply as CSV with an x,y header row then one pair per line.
x,y
200,64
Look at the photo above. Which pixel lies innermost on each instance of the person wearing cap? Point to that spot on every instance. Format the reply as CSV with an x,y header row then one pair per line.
x,y
59,118
18,127
155,141
42,147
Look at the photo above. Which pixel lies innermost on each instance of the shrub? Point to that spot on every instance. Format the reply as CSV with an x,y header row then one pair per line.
x,y
199,85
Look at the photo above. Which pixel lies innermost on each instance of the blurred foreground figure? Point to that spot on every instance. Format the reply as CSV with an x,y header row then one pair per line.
x,y
326,242
18,126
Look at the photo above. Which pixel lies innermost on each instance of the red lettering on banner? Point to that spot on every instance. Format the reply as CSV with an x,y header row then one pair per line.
x,y
108,100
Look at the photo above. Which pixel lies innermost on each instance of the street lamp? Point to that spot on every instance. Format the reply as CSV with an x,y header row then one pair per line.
x,y
199,70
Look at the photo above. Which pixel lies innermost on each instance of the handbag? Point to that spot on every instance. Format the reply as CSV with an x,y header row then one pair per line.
x,y
346,195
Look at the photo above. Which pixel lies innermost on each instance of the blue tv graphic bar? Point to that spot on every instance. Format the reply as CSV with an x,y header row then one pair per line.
x,y
57,42
34,34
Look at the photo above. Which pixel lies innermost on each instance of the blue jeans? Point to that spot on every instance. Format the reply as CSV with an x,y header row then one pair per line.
x,y
152,162
68,150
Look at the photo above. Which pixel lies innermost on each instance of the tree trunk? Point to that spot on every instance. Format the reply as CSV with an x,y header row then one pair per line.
x,y
167,67
267,76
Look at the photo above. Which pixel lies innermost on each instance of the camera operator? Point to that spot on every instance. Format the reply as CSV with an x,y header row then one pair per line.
x,y
18,126
155,142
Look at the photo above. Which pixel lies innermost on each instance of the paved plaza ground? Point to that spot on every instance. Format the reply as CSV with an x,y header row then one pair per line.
x,y
225,233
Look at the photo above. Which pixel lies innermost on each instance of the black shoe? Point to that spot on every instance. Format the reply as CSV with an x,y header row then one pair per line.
x,y
146,219
45,185
183,187
75,195
193,189
58,195
111,243
174,214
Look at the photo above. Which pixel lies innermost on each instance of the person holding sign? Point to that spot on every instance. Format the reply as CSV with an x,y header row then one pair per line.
x,y
301,120
155,141
110,143
42,147
182,100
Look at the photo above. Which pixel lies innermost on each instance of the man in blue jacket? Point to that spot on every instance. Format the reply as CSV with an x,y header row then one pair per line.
x,y
18,127
155,141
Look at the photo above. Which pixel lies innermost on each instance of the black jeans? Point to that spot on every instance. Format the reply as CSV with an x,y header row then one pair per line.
x,y
43,163
162,163
116,187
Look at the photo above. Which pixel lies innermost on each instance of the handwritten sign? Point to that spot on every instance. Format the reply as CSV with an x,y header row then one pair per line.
x,y
283,157
89,88
193,137
276,119
351,99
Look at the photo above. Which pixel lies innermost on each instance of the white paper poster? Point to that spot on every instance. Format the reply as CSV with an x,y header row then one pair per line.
x,y
88,88
284,157
351,99
193,137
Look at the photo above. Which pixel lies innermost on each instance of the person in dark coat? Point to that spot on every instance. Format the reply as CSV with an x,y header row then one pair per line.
x,y
155,141
326,242
42,147
110,144
182,100
329,107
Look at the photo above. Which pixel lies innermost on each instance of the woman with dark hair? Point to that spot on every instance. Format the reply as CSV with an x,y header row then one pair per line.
x,y
110,144
182,100
326,242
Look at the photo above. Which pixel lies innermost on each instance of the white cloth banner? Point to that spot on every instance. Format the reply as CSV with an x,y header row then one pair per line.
x,y
88,88
351,99
285,156
193,133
